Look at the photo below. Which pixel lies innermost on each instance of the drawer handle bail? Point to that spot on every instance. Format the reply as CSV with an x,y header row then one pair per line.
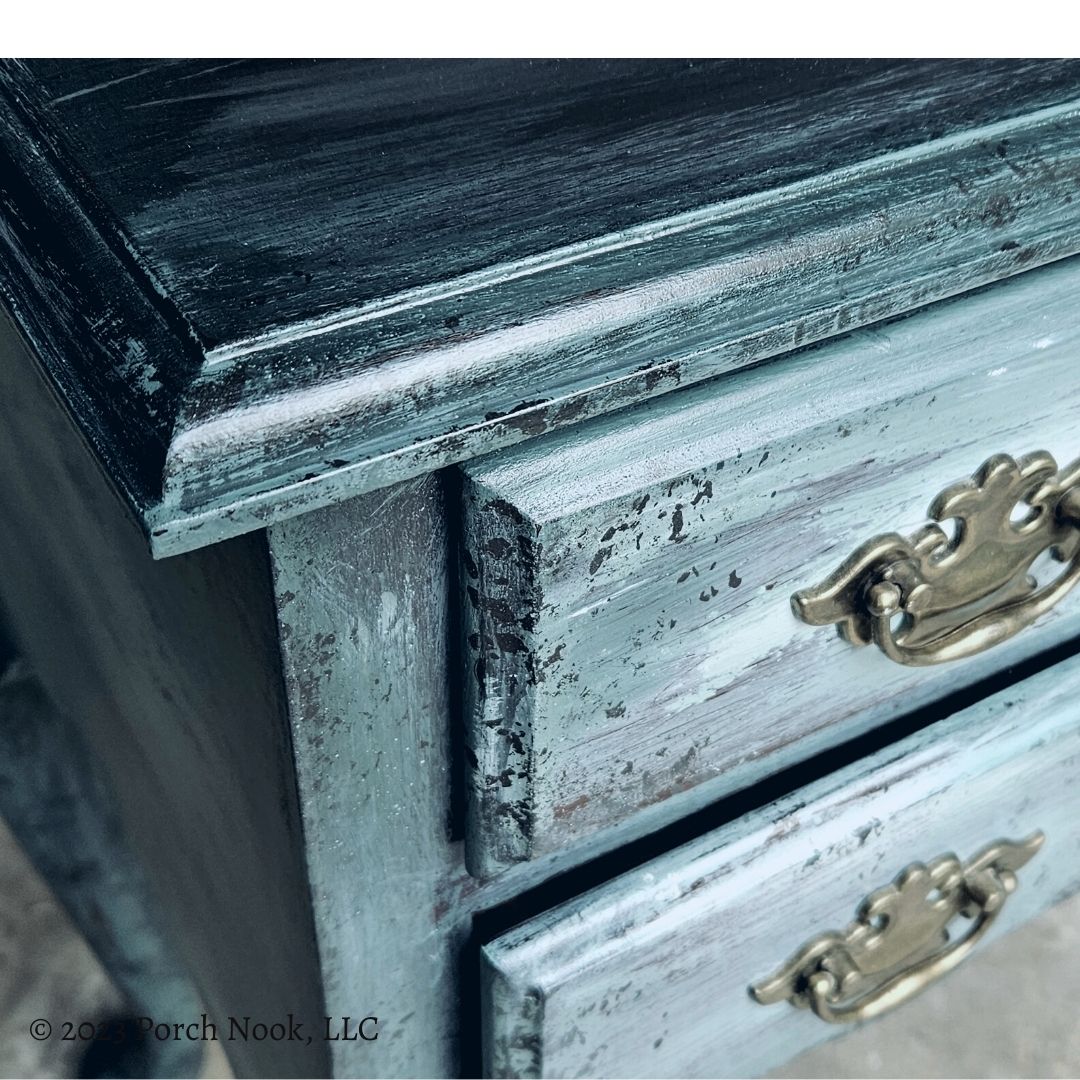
x,y
899,942
930,597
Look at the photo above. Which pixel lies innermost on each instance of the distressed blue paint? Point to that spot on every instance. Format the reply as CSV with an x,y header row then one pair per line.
x,y
629,614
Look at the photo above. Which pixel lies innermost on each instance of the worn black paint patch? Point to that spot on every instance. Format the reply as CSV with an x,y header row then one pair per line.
x,y
506,554
704,492
677,533
506,510
598,559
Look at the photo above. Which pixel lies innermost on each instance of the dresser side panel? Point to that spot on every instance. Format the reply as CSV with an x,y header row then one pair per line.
x,y
170,671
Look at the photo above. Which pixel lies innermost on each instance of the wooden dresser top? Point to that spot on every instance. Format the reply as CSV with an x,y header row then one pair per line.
x,y
264,286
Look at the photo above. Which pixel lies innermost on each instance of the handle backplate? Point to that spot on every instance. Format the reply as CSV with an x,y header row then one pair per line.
x,y
930,597
900,940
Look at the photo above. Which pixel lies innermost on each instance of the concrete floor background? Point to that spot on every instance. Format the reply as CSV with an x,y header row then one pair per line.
x,y
1010,1011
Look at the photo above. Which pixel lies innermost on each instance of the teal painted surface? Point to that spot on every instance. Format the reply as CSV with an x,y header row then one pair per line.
x,y
221,398
264,197
648,975
361,592
634,654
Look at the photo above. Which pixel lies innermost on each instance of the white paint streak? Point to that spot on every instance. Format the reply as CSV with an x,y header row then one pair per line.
x,y
605,600
99,86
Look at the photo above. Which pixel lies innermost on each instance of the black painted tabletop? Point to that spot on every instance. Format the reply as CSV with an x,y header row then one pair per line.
x,y
263,193
276,271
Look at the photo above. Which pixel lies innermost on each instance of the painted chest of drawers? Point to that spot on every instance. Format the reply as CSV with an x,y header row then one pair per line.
x,y
431,494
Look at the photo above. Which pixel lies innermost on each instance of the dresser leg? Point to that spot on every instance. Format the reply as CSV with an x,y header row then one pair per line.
x,y
60,811
361,590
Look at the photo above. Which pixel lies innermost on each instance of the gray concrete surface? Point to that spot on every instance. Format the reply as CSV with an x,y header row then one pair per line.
x,y
48,973
1010,1011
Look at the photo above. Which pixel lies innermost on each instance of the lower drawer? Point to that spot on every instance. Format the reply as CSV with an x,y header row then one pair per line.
x,y
650,974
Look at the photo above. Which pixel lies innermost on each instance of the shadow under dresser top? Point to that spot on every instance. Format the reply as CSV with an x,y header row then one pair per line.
x,y
440,484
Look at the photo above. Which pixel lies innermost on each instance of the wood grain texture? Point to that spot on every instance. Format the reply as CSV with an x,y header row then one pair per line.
x,y
265,195
648,975
342,275
633,649
170,672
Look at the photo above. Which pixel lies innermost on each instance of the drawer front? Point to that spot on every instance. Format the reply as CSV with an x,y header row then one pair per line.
x,y
649,974
634,649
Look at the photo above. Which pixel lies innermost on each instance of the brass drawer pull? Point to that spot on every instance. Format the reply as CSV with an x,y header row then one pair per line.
x,y
899,942
960,595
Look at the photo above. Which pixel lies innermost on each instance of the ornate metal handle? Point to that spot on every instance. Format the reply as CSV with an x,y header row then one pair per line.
x,y
961,595
899,942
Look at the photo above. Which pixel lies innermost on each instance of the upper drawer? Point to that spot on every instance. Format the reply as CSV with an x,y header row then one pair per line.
x,y
634,650
648,975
